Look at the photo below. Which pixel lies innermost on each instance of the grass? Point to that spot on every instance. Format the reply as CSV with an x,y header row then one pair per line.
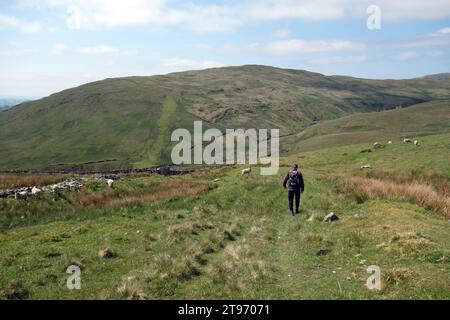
x,y
191,237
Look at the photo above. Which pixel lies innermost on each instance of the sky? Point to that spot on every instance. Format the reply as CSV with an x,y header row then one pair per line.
x,y
50,45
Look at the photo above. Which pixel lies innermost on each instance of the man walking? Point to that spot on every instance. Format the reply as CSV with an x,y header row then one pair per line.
x,y
295,186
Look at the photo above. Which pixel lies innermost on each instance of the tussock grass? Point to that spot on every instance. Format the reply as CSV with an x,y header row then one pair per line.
x,y
362,188
131,289
15,290
9,181
397,275
439,181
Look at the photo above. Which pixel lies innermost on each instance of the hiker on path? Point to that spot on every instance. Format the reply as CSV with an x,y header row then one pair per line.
x,y
295,185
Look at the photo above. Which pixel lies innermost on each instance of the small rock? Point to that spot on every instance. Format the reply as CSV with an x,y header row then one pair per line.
x,y
330,217
21,195
106,253
323,252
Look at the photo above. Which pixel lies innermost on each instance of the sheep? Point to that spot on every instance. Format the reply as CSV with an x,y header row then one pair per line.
x,y
389,142
35,191
416,142
21,195
246,171
406,140
377,145
110,183
366,166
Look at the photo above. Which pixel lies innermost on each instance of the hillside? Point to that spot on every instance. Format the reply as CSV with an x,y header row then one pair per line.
x,y
418,120
127,121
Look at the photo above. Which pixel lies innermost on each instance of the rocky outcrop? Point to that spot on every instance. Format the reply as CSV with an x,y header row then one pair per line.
x,y
24,192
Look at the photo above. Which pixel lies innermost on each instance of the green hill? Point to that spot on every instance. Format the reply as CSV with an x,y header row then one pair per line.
x,y
126,121
418,120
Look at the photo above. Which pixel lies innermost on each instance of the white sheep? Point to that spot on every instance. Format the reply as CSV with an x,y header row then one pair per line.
x,y
406,140
110,183
366,166
246,171
389,142
416,142
35,191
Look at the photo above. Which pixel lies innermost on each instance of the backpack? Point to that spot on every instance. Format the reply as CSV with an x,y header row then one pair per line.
x,y
294,180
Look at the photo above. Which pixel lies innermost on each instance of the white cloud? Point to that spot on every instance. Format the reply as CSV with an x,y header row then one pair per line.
x,y
104,49
404,10
282,33
100,49
444,31
59,48
10,22
227,16
440,38
297,46
183,64
404,56
18,51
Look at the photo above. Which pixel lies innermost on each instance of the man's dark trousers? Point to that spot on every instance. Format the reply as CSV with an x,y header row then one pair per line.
x,y
291,195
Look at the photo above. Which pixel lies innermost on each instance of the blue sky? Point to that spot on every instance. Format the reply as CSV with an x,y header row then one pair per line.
x,y
49,45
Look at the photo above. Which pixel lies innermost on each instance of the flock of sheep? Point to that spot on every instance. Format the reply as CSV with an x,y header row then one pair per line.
x,y
378,145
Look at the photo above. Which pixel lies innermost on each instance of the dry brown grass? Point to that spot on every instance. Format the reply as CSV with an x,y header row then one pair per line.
x,y
159,195
440,183
397,275
9,181
113,197
425,195
131,289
